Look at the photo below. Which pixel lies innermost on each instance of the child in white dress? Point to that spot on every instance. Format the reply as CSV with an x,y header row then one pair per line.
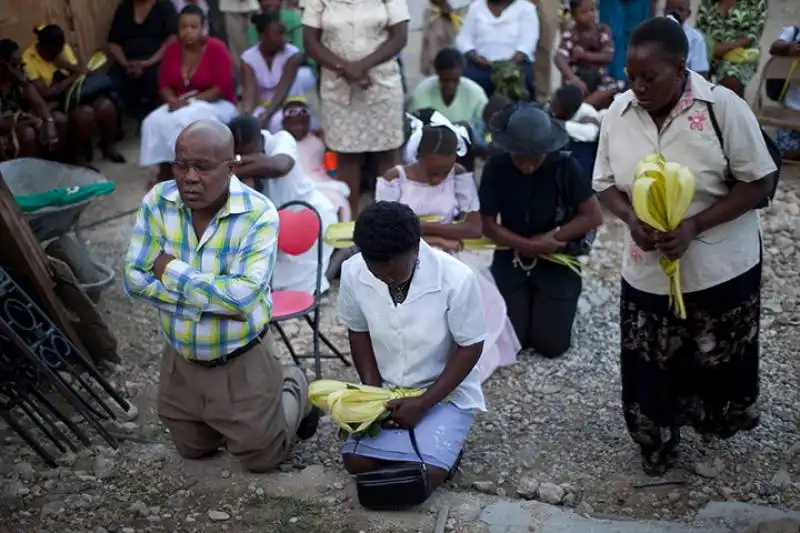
x,y
434,185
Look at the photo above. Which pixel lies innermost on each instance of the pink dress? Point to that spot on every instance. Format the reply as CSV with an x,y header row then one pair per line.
x,y
455,196
312,152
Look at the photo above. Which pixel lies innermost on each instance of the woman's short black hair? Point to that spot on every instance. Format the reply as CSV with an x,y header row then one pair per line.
x,y
448,59
664,32
51,36
193,9
567,100
386,230
496,103
575,4
246,129
438,140
8,48
262,21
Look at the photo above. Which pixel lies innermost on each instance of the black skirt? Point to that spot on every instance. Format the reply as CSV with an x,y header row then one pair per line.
x,y
700,371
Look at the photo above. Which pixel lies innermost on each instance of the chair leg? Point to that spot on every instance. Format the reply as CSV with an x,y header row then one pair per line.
x,y
316,333
329,344
288,344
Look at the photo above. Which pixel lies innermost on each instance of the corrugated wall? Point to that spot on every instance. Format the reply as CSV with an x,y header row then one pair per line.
x,y
85,22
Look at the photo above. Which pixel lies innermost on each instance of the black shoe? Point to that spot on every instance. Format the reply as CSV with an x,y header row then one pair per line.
x,y
309,424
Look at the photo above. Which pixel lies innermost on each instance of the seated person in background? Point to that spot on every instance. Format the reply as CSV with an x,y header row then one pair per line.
x,y
519,195
586,50
697,59
292,20
196,82
581,120
28,128
136,42
788,45
271,164
221,383
498,30
51,65
311,148
433,184
272,71
459,99
414,319
482,140
440,29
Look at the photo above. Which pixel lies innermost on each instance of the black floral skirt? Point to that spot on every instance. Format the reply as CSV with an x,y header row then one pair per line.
x,y
701,371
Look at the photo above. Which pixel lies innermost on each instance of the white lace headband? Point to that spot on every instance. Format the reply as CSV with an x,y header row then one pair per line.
x,y
437,120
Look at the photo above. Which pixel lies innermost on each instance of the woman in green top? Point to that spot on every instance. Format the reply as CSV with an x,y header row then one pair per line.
x,y
458,98
727,25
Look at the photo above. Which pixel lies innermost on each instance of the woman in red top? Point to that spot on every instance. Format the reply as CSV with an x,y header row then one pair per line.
x,y
196,81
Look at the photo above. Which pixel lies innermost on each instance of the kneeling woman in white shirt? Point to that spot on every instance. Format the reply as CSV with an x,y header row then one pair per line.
x,y
270,163
414,319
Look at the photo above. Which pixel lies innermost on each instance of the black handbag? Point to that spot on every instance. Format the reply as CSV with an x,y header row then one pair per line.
x,y
397,487
566,210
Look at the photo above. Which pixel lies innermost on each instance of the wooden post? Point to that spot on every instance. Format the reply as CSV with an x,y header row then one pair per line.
x,y
22,252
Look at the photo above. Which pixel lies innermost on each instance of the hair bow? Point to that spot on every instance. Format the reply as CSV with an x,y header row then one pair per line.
x,y
437,120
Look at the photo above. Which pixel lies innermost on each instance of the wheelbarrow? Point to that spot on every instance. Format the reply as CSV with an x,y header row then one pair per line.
x,y
53,196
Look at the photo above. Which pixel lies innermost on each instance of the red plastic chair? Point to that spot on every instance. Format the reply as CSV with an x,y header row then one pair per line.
x,y
299,231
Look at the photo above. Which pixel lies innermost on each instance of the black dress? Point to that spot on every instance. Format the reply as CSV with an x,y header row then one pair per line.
x,y
542,300
140,42
701,371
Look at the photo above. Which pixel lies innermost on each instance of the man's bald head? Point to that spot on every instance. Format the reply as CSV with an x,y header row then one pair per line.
x,y
203,164
211,133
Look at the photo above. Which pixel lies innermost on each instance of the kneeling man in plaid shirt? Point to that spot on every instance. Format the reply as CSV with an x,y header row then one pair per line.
x,y
202,252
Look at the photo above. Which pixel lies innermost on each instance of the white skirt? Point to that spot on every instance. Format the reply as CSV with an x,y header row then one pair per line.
x,y
161,128
299,272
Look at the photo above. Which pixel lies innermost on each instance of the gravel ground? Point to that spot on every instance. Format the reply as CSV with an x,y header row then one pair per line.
x,y
553,425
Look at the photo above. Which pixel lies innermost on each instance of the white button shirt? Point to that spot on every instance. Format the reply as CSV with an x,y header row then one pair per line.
x,y
414,341
628,134
498,38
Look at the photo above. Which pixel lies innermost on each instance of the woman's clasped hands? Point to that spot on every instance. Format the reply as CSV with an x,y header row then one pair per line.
x,y
356,74
673,244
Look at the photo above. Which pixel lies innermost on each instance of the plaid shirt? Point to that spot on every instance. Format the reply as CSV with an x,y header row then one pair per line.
x,y
215,296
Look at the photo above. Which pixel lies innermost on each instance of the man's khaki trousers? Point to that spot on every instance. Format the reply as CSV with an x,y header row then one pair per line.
x,y
548,33
252,403
237,26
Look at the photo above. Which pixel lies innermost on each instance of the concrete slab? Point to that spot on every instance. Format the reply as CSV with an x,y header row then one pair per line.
x,y
740,515
512,517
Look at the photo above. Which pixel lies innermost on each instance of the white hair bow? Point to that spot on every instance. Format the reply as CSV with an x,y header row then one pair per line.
x,y
437,120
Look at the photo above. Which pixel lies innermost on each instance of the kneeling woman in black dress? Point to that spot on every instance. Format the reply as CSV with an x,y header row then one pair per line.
x,y
536,199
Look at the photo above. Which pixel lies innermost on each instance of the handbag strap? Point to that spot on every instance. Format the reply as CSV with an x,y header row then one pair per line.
x,y
413,438
414,446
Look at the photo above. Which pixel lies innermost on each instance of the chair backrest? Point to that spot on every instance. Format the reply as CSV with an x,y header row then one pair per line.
x,y
776,68
300,229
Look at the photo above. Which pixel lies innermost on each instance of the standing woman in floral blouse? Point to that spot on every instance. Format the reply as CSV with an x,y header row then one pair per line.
x,y
727,25
356,43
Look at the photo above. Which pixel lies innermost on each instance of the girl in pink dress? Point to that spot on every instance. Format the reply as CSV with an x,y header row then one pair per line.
x,y
296,119
435,185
